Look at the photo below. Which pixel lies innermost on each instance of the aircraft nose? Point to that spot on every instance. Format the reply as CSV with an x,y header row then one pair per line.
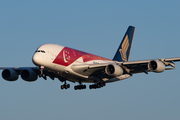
x,y
35,59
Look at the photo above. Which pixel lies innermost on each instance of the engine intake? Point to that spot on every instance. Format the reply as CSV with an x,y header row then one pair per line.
x,y
10,75
113,70
156,66
29,75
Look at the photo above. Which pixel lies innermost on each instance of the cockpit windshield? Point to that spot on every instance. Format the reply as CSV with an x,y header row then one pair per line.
x,y
42,51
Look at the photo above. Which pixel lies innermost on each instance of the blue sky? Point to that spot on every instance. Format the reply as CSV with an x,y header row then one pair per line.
x,y
97,27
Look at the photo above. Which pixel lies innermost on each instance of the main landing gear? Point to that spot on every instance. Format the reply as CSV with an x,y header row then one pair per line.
x,y
79,87
94,86
65,86
97,85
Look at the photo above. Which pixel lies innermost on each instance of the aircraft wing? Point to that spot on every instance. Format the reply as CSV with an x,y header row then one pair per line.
x,y
130,67
146,66
19,68
27,73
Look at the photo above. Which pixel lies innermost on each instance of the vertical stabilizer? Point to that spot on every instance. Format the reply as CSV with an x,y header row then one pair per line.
x,y
124,49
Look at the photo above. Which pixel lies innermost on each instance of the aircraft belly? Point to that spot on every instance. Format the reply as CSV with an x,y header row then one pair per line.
x,y
121,77
67,72
76,78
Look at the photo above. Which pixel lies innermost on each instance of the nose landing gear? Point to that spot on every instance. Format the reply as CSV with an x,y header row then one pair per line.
x,y
42,74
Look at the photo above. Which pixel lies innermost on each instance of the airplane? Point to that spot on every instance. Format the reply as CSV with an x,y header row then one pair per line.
x,y
73,65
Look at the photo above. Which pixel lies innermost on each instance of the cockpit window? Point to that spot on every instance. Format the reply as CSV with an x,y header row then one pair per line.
x,y
40,51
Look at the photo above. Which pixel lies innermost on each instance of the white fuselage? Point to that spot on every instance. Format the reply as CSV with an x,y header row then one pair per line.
x,y
67,63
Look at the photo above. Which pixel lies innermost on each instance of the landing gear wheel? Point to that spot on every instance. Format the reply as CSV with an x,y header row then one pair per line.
x,y
75,87
68,85
62,87
79,87
65,86
84,86
97,85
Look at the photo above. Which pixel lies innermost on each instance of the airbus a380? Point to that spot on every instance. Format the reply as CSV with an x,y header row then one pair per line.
x,y
72,65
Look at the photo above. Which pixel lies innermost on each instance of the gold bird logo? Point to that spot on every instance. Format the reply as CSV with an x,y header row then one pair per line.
x,y
124,48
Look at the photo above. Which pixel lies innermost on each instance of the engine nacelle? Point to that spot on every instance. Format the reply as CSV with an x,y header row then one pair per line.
x,y
114,70
10,75
29,75
156,66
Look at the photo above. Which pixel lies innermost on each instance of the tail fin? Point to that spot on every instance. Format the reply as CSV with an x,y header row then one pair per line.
x,y
124,49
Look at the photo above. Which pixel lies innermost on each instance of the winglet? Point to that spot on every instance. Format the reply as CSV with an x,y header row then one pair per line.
x,y
124,49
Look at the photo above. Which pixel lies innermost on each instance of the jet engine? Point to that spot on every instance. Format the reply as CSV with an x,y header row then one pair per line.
x,y
156,66
113,70
10,75
29,75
